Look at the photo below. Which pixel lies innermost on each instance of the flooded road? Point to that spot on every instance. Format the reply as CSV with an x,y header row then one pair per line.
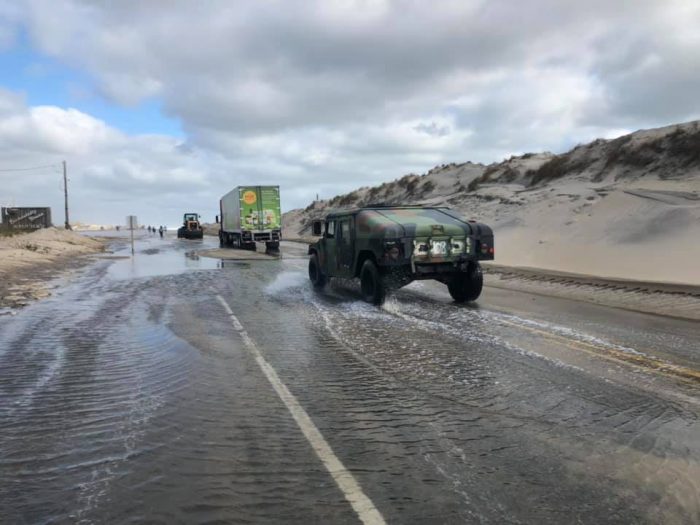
x,y
174,388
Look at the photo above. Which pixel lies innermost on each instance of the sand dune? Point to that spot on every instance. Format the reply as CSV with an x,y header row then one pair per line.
x,y
626,208
44,245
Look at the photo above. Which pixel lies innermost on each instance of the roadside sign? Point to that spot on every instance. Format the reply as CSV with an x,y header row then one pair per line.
x,y
132,223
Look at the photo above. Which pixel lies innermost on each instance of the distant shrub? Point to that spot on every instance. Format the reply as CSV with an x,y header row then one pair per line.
x,y
685,146
490,170
550,170
347,200
620,152
412,185
404,181
428,187
509,174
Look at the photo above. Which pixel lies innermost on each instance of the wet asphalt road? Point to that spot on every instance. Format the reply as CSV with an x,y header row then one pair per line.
x,y
133,396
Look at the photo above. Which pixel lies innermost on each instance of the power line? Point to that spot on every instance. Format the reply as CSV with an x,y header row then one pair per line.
x,y
34,168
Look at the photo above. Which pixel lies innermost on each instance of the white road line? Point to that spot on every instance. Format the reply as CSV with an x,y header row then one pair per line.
x,y
346,482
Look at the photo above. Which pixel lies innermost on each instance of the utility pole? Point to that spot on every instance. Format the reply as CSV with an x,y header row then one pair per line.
x,y
65,193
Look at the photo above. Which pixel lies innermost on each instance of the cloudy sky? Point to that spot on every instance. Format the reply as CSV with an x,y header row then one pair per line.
x,y
160,107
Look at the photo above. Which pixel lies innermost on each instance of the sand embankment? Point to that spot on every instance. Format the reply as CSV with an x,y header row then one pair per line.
x,y
627,208
27,261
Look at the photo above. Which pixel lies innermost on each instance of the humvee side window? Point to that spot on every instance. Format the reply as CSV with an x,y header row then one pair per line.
x,y
330,229
345,230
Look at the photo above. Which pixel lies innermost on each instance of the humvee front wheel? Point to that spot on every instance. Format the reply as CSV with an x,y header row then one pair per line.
x,y
315,274
467,286
372,284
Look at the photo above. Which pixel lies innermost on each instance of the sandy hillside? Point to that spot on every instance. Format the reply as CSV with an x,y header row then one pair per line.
x,y
43,246
626,208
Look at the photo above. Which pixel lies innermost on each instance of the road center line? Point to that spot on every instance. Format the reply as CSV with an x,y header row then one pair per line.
x,y
346,482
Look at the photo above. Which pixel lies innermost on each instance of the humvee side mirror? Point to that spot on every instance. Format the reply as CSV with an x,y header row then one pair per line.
x,y
217,219
317,228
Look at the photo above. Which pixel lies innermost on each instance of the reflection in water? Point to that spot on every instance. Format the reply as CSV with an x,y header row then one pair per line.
x,y
232,263
125,398
160,257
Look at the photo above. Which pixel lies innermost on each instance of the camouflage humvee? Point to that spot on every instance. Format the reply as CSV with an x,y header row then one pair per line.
x,y
387,247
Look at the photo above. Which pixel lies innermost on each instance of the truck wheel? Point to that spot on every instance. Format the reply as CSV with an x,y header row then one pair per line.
x,y
272,246
467,286
372,283
315,274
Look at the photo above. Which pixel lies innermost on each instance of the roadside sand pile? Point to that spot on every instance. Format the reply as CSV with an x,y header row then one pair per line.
x,y
622,208
79,226
210,228
43,246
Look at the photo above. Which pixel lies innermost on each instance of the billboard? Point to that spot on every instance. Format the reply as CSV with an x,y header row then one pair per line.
x,y
26,218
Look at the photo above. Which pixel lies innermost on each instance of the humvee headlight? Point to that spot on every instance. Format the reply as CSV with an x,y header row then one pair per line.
x,y
468,245
438,247
457,246
392,250
420,249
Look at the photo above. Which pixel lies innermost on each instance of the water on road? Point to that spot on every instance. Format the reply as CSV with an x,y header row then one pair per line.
x,y
133,395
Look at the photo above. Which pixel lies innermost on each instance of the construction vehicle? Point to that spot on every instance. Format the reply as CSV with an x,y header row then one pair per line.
x,y
250,214
191,227
388,247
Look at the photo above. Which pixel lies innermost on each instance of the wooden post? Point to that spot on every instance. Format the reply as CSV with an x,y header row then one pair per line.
x,y
65,194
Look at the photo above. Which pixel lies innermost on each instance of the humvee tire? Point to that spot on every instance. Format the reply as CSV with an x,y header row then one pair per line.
x,y
467,286
372,283
315,275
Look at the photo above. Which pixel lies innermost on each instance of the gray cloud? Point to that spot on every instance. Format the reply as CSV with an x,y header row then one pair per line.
x,y
332,94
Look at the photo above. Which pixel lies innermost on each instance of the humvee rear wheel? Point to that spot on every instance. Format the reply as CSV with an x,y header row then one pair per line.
x,y
467,286
372,283
315,275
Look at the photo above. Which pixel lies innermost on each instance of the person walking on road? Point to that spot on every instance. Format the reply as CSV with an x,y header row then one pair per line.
x,y
160,230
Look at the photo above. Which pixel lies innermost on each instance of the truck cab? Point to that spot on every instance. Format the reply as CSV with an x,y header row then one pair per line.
x,y
387,247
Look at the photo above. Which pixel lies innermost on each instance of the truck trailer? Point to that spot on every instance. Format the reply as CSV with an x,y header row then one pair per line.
x,y
250,214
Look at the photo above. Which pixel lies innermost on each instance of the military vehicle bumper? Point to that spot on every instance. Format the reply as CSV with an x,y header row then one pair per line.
x,y
430,256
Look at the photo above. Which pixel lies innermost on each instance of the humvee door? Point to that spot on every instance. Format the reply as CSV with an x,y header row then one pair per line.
x,y
330,245
345,253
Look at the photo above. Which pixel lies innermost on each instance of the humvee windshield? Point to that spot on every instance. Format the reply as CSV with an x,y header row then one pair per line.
x,y
421,215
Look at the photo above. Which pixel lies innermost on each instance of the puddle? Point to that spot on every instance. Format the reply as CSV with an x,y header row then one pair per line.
x,y
155,256
240,255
